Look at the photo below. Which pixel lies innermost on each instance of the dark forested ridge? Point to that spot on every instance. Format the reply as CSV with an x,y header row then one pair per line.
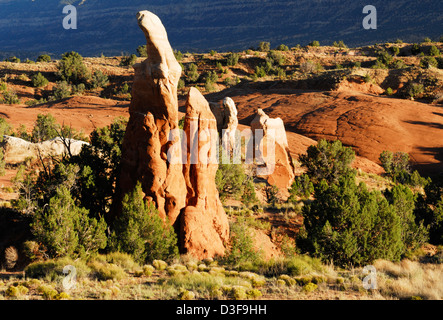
x,y
109,26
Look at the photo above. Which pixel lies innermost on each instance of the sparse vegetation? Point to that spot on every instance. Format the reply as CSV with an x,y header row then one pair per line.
x,y
192,73
72,69
44,58
128,60
264,46
141,50
99,80
329,222
38,80
232,59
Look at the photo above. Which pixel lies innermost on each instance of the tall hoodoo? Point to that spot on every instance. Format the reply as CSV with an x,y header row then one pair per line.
x,y
183,192
153,114
270,133
204,224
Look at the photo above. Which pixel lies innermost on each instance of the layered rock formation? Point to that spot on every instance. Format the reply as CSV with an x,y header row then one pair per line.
x,y
273,152
17,150
153,114
227,121
185,194
204,224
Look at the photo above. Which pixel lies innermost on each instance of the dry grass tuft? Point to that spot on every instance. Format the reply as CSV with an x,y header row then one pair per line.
x,y
410,279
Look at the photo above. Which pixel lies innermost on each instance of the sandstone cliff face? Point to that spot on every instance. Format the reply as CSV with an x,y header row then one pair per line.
x,y
184,192
277,166
204,224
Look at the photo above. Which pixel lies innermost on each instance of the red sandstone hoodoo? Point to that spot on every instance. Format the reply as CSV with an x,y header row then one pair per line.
x,y
185,194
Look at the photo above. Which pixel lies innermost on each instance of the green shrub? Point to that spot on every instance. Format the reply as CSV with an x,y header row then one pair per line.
x,y
429,210
301,187
13,59
416,49
232,59
78,89
350,225
66,229
396,166
385,58
128,60
433,51
99,80
264,46
242,245
260,71
159,264
415,89
232,181
141,232
211,78
427,62
327,160
253,293
61,90
53,269
272,195
389,92
181,84
289,281
282,47
123,260
44,58
367,78
72,69
395,50
148,270
302,264
339,44
63,296
178,55
141,50
186,295
402,200
48,292
38,80
314,43
10,97
45,128
98,167
192,73
106,271
12,292
398,64
310,287
276,58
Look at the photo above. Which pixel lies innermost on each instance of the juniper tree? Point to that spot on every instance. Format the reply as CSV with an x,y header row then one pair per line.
x,y
140,231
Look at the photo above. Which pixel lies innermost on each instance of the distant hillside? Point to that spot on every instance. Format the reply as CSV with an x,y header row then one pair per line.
x,y
109,26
